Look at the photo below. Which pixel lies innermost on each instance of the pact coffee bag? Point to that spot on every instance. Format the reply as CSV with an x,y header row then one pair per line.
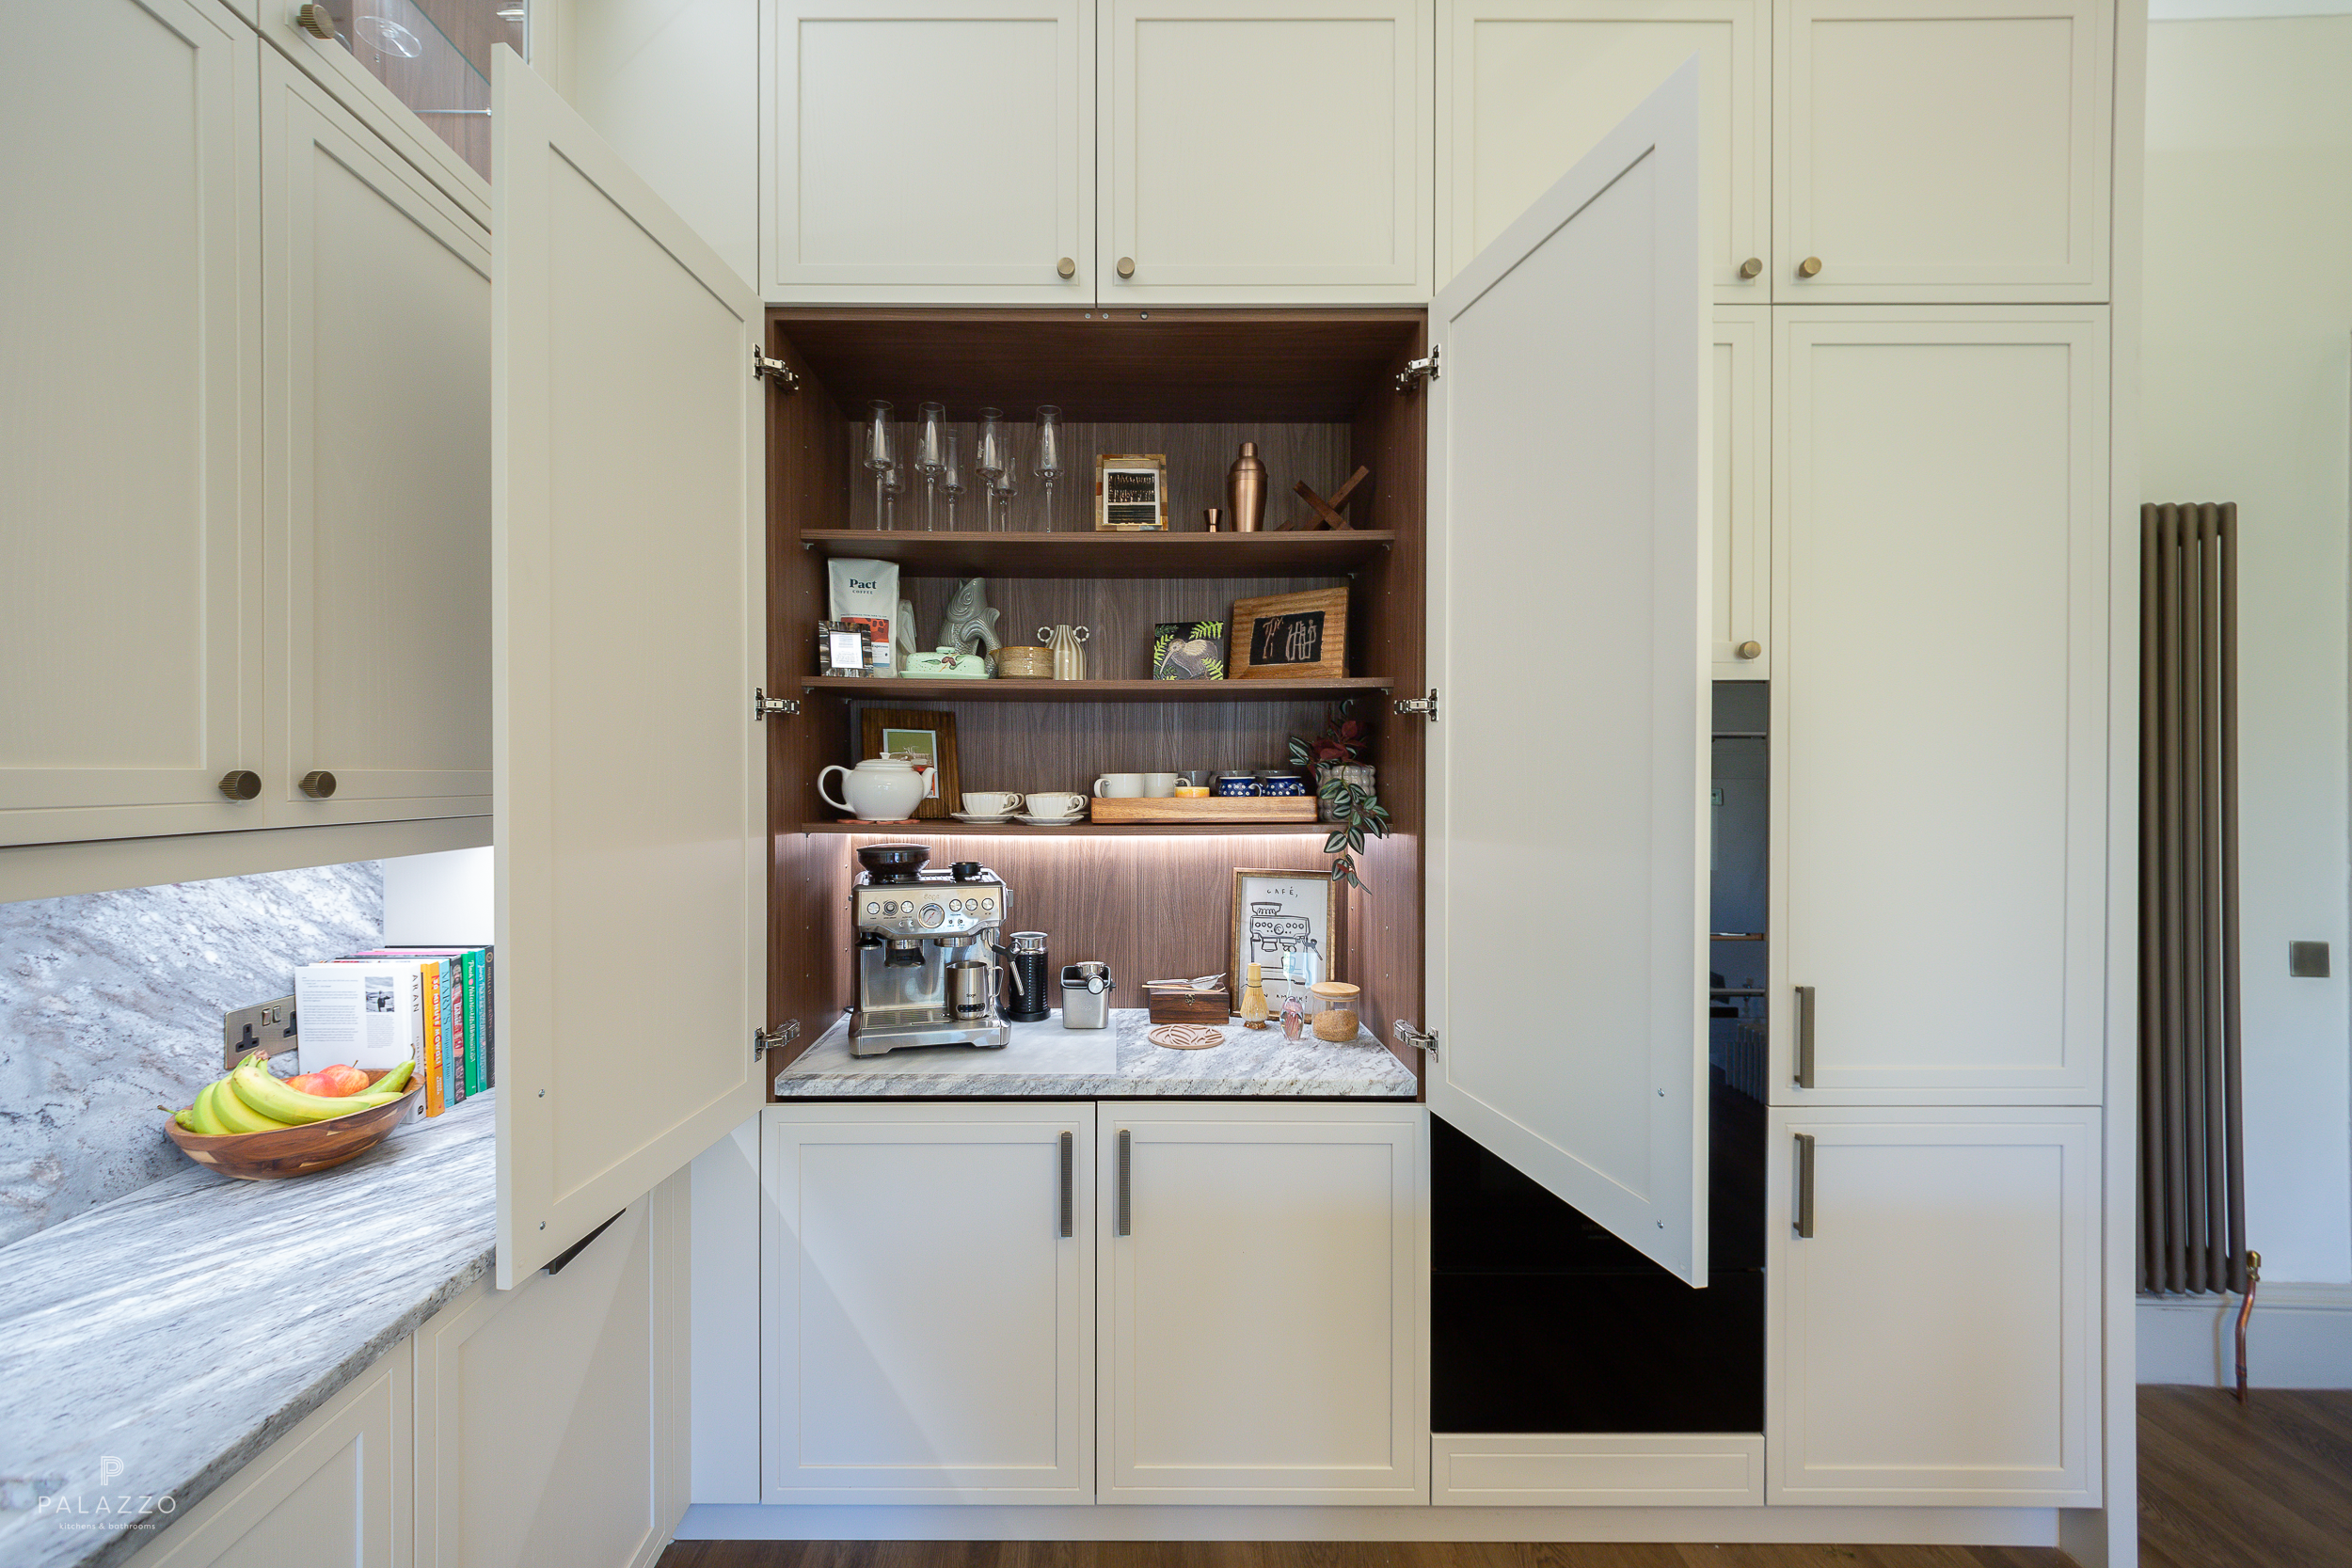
x,y
866,593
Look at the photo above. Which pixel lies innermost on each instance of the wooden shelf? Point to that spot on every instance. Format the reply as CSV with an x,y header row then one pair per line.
x,y
1325,552
934,828
1255,691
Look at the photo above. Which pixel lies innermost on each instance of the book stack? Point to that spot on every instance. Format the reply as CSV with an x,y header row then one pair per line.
x,y
391,1005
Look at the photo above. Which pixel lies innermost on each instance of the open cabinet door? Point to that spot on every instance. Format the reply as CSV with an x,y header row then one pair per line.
x,y
627,561
1568,575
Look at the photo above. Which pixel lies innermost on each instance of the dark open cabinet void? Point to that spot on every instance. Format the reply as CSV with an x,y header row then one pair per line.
x,y
1319,390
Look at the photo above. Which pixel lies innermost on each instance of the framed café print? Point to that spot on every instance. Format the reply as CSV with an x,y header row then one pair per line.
x,y
929,739
1276,913
1289,634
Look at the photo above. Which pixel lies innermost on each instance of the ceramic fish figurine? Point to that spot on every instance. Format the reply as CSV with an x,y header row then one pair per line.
x,y
971,623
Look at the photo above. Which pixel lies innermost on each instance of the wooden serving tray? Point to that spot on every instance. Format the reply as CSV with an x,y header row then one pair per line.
x,y
1206,808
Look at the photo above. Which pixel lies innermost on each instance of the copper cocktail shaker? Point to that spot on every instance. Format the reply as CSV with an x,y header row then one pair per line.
x,y
1245,490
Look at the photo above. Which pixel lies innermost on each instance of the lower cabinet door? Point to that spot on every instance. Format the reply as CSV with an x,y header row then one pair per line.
x,y
927,1295
1260,1298
1930,1343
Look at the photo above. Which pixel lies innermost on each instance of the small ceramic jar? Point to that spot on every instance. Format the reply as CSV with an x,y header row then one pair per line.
x,y
1335,1011
1275,781
1237,784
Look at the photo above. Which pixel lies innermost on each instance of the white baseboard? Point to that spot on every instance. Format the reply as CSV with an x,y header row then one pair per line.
x,y
2300,1338
1925,1526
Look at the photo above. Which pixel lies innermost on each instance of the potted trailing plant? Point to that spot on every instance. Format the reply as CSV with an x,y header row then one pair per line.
x,y
1344,787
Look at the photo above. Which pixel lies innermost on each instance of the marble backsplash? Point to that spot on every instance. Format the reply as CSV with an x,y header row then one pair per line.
x,y
110,1006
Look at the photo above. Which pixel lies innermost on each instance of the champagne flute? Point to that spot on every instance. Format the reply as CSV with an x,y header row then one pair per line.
x,y
991,461
931,458
1006,489
952,484
1047,463
881,458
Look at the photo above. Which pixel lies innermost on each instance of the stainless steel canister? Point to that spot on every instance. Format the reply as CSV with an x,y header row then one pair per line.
x,y
1086,994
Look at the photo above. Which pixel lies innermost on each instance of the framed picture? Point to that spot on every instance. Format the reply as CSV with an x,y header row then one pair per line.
x,y
1277,912
1130,492
929,739
1290,634
1188,651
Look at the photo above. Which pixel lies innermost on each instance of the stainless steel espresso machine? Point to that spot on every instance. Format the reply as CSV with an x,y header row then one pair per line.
x,y
925,952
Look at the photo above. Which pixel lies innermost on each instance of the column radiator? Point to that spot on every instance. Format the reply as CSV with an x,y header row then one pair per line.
x,y
2192,1159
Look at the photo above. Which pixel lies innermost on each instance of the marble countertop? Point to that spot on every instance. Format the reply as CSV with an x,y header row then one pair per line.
x,y
152,1346
1117,1063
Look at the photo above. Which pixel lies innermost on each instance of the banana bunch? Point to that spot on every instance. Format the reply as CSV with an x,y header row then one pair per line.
x,y
249,1100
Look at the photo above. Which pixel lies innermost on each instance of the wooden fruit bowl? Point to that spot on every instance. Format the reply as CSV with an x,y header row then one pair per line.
x,y
295,1150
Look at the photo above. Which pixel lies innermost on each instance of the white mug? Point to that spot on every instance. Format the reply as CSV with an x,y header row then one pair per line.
x,y
1053,803
1120,786
1159,786
994,803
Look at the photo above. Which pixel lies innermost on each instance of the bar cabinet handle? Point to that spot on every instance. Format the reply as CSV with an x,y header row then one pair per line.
x,y
1069,1157
1126,1186
1805,1036
1804,1186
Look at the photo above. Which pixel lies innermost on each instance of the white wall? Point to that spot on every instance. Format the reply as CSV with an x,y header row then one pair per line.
x,y
2248,366
444,900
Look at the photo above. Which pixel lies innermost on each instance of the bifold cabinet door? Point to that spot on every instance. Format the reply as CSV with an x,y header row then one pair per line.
x,y
376,474
1525,87
927,1292
1927,152
627,572
941,151
1569,579
1939,745
1264,1275
1271,154
1931,1341
129,674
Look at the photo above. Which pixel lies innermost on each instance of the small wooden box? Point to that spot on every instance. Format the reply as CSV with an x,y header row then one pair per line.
x,y
1206,808
1189,1006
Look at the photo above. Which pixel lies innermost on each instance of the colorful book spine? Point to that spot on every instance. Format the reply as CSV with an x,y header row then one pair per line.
x,y
430,1057
489,1018
476,1038
454,966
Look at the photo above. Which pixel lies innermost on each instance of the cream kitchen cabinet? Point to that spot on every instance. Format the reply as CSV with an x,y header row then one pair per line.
x,y
1304,1223
375,475
1525,87
1932,1339
130,670
1927,152
928,1289
941,151
1940,589
1739,626
1264,154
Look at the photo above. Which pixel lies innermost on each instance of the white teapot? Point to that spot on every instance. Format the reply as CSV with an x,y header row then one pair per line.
x,y
880,789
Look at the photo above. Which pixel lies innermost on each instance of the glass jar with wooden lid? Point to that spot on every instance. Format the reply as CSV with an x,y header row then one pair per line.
x,y
1335,1010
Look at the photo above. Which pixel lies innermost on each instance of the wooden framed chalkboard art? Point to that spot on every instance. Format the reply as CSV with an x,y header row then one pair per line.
x,y
1289,634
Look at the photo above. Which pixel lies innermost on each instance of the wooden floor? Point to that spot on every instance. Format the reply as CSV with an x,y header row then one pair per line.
x,y
2266,1486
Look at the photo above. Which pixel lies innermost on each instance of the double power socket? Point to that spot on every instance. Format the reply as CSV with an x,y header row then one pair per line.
x,y
267,1028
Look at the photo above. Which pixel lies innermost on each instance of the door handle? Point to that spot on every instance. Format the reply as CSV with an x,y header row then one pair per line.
x,y
1069,1185
1805,1036
1804,1187
1126,1185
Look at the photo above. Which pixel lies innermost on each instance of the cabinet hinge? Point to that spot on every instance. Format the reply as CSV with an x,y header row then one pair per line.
x,y
1418,371
763,1038
774,369
1407,1035
1427,707
763,705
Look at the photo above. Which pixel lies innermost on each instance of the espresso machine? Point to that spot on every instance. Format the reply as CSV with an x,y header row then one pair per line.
x,y
927,971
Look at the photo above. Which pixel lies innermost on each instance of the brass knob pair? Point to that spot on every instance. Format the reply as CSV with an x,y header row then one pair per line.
x,y
243,783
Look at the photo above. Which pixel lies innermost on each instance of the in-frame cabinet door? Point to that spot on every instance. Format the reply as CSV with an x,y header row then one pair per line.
x,y
130,550
1265,154
1926,151
1931,1308
1568,507
1525,87
1939,700
1304,1222
627,580
941,151
927,1302
1740,620
376,475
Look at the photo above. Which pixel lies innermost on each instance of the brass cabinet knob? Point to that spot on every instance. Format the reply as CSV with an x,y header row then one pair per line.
x,y
1750,650
1751,268
241,784
1809,267
1126,266
318,785
1067,268
313,19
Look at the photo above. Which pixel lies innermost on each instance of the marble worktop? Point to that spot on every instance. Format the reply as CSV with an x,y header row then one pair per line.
x,y
152,1346
1116,1063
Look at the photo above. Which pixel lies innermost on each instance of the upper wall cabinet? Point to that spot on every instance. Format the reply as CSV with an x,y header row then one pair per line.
x,y
128,685
1525,87
376,475
1932,152
941,151
1265,154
